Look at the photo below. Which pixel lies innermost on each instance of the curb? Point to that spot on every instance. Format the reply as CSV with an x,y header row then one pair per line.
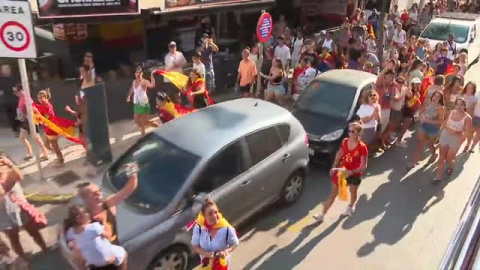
x,y
49,198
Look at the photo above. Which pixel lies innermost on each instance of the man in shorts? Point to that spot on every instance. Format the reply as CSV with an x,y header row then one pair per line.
x,y
247,73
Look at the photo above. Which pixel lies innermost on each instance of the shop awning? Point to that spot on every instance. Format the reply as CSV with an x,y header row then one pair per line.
x,y
215,6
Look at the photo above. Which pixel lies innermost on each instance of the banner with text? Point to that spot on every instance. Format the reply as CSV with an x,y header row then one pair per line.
x,y
86,8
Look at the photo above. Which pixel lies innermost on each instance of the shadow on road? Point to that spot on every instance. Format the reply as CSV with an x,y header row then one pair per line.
x,y
289,256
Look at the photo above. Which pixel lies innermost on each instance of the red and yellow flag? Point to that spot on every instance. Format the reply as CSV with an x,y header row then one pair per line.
x,y
178,79
61,126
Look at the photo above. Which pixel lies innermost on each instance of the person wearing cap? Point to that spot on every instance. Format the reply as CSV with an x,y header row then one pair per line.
x,y
207,50
451,47
174,60
283,52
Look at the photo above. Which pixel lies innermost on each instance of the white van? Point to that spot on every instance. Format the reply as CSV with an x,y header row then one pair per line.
x,y
463,25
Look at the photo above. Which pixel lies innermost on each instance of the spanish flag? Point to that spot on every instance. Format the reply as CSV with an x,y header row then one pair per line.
x,y
178,79
342,185
61,126
170,111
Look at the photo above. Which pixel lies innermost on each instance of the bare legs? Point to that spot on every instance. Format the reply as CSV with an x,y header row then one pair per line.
x,y
143,122
28,146
33,231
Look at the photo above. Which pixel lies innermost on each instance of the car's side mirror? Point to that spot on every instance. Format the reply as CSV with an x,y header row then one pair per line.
x,y
472,39
199,198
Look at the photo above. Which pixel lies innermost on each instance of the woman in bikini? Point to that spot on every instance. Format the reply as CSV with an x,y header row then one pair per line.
x,y
455,131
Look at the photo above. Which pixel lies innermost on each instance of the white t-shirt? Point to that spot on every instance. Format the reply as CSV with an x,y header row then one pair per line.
x,y
200,68
306,77
328,44
171,59
282,52
413,16
367,110
297,47
399,37
476,110
96,249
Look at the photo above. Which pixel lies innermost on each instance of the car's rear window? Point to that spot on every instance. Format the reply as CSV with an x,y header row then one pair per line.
x,y
327,98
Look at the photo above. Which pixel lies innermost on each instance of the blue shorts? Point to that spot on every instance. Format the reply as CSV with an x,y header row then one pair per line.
x,y
430,130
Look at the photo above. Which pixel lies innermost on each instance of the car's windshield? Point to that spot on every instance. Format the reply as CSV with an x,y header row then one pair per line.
x,y
326,98
163,169
440,31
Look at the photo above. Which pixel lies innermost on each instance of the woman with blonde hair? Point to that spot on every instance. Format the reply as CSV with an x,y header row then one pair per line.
x,y
369,114
45,108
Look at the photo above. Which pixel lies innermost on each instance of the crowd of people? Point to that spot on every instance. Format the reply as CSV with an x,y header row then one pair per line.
x,y
417,86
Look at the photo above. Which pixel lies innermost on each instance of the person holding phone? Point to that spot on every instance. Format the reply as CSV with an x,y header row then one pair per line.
x,y
352,157
207,50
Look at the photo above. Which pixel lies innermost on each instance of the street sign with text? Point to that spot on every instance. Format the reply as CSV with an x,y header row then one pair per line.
x,y
264,27
16,30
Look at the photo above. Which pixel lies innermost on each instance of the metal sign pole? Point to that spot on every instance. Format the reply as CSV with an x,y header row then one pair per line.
x,y
33,133
259,66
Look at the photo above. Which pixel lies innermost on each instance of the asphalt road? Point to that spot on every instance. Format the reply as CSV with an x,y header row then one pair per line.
x,y
400,220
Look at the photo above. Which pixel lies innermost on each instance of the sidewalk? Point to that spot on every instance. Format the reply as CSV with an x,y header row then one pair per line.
x,y
58,183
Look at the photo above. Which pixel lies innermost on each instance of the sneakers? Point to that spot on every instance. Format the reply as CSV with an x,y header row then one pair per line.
x,y
348,211
318,217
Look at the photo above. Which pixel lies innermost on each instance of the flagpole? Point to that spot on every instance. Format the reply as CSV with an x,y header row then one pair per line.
x,y
33,132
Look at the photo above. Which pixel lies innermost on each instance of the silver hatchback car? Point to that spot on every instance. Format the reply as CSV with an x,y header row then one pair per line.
x,y
245,154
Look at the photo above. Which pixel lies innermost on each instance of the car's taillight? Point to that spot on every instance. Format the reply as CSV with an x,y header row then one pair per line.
x,y
306,139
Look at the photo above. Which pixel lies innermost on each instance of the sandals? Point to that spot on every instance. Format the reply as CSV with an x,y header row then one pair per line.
x,y
465,150
449,171
27,158
44,158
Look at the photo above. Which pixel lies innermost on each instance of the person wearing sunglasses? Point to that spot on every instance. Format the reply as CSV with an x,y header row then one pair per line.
x,y
369,113
455,132
352,156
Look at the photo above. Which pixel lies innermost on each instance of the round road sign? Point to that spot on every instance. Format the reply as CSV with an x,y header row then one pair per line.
x,y
264,27
15,36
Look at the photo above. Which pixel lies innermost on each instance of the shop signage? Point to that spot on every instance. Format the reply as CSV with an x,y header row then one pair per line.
x,y
70,31
183,3
16,30
313,8
86,8
264,27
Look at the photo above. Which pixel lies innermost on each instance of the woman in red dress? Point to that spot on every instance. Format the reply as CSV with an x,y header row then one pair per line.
x,y
352,156
45,108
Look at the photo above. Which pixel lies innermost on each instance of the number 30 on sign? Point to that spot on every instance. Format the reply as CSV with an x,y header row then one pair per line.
x,y
16,30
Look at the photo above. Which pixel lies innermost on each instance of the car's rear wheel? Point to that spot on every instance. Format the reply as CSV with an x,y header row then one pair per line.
x,y
293,187
173,258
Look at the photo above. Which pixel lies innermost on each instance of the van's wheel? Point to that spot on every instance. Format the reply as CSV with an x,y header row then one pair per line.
x,y
293,187
173,258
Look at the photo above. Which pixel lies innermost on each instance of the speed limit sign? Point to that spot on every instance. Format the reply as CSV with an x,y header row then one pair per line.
x,y
16,30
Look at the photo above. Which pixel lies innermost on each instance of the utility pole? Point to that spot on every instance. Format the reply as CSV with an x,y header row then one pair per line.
x,y
385,8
